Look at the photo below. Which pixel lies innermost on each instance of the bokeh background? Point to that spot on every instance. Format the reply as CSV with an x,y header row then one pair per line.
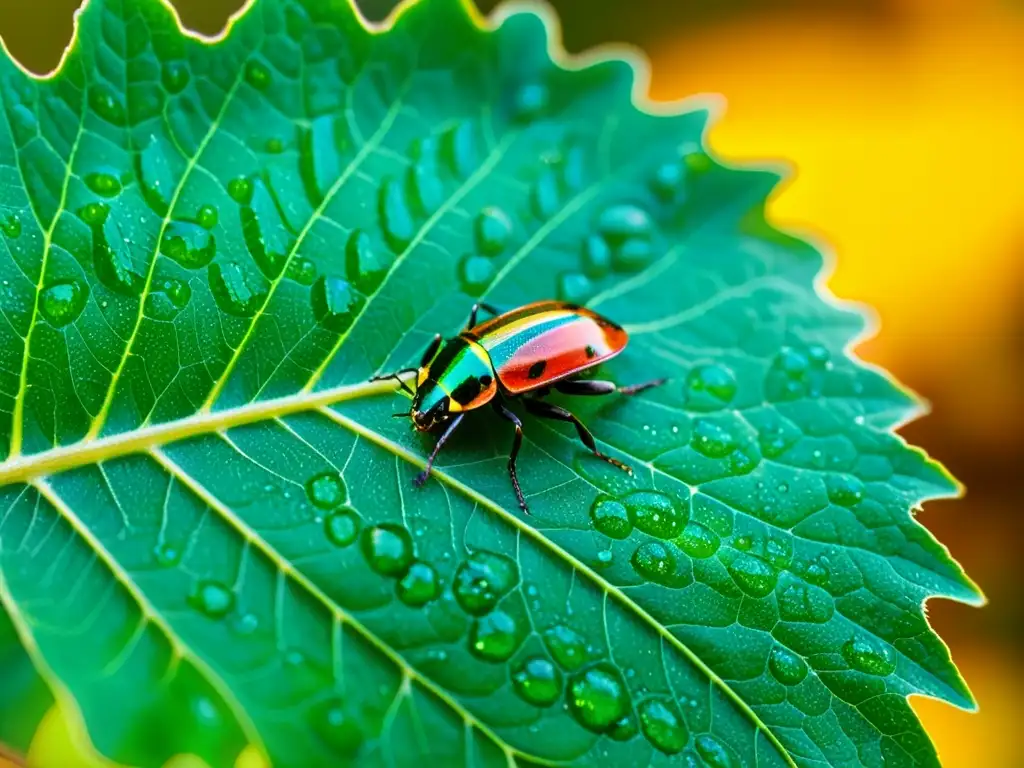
x,y
904,120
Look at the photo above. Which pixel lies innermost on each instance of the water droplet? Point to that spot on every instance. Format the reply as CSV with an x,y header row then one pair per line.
x,y
459,149
274,146
492,230
365,266
167,298
301,270
698,162
156,180
322,147
655,562
175,76
257,75
212,599
326,490
597,697
475,274
167,555
103,183
336,727
800,602
752,575
388,549
786,666
207,216
698,541
605,556
870,656
494,637
334,302
537,681
656,513
663,725
342,526
482,580
112,259
628,229
711,439
545,196
667,182
106,104
844,490
62,302
567,646
246,624
596,257
531,100
574,287
94,214
426,192
188,244
817,571
419,586
235,290
714,753
611,518
395,216
709,387
624,729
10,224
240,190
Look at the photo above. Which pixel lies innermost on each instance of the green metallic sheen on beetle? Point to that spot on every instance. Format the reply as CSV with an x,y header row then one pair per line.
x,y
524,354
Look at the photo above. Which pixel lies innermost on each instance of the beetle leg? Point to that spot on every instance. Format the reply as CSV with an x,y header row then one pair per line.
x,y
476,308
595,387
549,411
516,442
430,351
397,376
421,478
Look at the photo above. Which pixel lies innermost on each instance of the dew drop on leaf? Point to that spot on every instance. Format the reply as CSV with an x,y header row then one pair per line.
x,y
257,75
475,274
240,190
611,518
800,602
106,104
94,214
596,697
596,257
245,624
301,270
656,513
334,303
663,725
396,218
364,265
869,656
103,183
342,526
709,387
167,555
189,244
167,298
326,490
112,259
844,490
155,178
175,76
419,585
459,149
10,224
482,580
786,667
537,681
752,574
624,729
494,636
668,181
698,541
656,562
237,291
492,230
62,302
212,599
388,549
531,100
567,646
336,727
574,287
207,216
714,753
711,439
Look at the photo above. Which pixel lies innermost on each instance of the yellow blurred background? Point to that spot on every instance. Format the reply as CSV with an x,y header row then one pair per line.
x,y
905,122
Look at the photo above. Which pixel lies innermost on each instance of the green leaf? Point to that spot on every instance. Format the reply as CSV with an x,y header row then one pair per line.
x,y
208,532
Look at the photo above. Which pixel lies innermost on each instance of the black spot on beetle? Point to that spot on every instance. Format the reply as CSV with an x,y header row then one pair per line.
x,y
467,391
590,351
537,369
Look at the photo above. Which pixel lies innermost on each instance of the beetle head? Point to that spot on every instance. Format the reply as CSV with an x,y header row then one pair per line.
x,y
431,406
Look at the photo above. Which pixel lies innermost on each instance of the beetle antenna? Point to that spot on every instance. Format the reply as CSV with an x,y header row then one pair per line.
x,y
402,415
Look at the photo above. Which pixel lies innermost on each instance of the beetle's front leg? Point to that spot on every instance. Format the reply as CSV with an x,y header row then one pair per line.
x,y
421,478
516,443
428,355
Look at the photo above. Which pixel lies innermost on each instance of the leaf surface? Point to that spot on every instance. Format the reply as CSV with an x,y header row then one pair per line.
x,y
208,532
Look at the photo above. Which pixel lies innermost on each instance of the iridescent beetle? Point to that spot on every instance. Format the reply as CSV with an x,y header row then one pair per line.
x,y
526,352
